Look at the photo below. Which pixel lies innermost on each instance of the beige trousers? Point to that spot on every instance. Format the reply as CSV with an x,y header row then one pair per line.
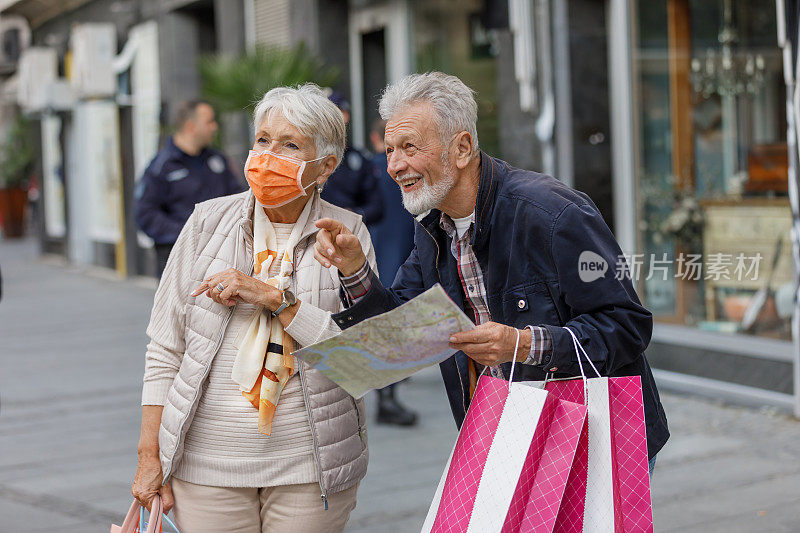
x,y
290,508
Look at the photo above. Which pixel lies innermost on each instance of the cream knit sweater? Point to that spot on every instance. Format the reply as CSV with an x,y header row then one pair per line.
x,y
223,446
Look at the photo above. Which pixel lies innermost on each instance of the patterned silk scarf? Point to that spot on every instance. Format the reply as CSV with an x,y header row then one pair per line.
x,y
264,361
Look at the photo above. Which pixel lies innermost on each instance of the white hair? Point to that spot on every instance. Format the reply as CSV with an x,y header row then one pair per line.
x,y
308,109
453,102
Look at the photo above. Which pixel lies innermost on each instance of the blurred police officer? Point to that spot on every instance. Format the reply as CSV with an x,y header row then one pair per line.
x,y
185,172
353,185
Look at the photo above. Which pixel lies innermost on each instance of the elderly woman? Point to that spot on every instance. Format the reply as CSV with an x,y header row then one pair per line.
x,y
238,434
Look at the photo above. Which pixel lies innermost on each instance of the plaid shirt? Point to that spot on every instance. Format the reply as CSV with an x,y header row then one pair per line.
x,y
469,272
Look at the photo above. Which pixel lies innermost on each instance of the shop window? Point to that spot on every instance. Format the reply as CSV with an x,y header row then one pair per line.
x,y
713,211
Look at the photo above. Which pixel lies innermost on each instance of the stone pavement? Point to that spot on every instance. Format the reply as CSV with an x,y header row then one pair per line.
x,y
71,359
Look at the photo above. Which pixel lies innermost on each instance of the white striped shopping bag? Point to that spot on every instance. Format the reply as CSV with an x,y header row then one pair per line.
x,y
511,461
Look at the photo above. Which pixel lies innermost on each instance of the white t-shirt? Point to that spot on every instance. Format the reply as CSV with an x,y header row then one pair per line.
x,y
462,224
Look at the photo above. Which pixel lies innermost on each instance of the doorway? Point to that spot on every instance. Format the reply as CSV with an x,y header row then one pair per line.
x,y
380,53
373,58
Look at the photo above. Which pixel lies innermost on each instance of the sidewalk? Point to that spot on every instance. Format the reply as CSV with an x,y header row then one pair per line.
x,y
71,359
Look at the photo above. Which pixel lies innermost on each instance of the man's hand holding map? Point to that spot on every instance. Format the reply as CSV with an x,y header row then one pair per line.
x,y
387,348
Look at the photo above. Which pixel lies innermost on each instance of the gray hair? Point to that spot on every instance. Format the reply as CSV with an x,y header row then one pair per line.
x,y
453,102
308,109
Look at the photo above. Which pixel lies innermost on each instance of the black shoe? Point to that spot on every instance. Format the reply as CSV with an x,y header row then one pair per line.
x,y
390,411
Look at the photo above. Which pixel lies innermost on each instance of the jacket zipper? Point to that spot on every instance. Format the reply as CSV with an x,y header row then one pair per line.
x,y
208,368
436,267
323,495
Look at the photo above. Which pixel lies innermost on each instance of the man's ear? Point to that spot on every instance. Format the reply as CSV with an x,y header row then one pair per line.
x,y
327,166
463,149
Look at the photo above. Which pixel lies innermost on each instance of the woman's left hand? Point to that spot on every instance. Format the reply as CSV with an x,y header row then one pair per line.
x,y
239,287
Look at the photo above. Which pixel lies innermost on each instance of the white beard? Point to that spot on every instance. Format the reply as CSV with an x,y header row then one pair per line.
x,y
430,196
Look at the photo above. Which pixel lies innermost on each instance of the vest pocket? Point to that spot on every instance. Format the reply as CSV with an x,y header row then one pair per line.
x,y
362,430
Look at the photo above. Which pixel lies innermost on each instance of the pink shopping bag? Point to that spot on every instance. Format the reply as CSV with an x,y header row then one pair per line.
x,y
609,486
512,458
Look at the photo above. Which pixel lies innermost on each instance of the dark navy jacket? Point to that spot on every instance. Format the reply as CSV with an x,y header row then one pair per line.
x,y
173,183
530,230
353,186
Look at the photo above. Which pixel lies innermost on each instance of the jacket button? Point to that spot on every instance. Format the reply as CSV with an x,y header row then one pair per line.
x,y
521,304
349,319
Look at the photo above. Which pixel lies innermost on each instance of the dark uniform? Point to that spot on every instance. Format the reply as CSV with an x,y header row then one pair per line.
x,y
171,186
353,186
393,236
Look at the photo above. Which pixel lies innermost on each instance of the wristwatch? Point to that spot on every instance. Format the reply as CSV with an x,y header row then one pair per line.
x,y
288,299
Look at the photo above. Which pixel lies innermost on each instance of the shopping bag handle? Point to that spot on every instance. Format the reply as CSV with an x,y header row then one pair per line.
x,y
513,361
578,350
154,525
157,509
131,519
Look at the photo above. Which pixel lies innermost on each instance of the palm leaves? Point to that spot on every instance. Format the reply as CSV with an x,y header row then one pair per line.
x,y
238,83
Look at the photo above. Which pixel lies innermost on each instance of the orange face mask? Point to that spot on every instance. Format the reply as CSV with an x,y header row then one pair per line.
x,y
275,179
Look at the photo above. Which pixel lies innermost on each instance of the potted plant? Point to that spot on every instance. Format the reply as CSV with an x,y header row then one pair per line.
x,y
16,159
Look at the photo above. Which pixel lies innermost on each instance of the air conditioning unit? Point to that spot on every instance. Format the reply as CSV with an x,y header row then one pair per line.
x,y
15,37
38,68
94,46
59,95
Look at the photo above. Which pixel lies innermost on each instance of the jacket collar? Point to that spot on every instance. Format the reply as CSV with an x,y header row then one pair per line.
x,y
484,203
177,153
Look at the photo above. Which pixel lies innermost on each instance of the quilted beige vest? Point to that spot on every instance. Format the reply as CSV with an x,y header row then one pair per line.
x,y
224,239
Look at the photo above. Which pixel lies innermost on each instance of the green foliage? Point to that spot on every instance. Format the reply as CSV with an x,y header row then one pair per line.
x,y
238,83
16,154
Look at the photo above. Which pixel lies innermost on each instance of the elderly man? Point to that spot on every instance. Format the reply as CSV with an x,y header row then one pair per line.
x,y
505,244
184,173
